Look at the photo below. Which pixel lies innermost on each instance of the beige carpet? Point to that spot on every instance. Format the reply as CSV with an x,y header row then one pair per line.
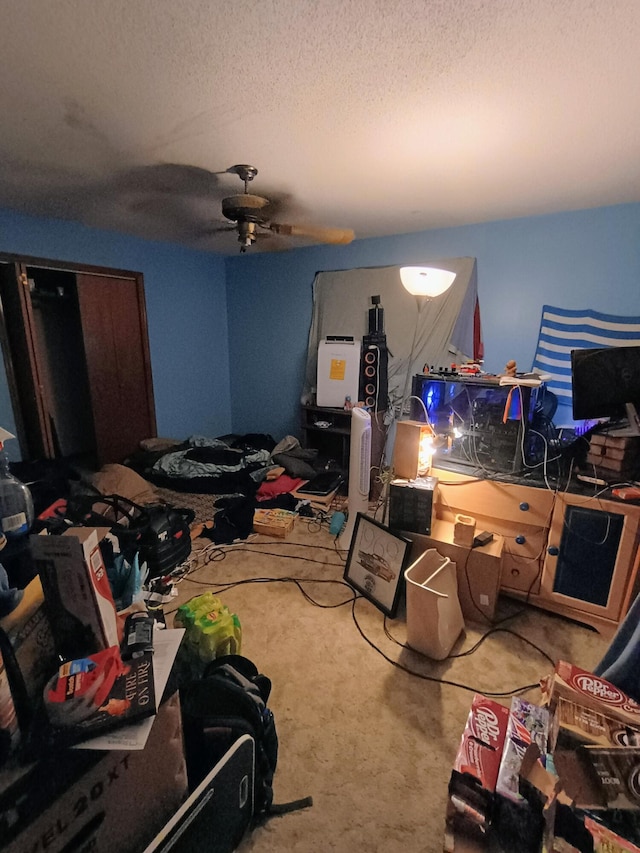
x,y
372,744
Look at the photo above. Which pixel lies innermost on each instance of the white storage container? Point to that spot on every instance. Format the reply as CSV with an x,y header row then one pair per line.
x,y
338,372
434,616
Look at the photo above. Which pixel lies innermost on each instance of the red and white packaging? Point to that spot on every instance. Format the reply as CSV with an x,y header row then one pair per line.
x,y
590,691
606,841
482,741
475,770
77,592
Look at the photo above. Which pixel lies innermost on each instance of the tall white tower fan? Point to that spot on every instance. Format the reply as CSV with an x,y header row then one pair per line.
x,y
359,472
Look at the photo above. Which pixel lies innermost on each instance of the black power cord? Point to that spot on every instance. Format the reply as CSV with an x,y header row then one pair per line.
x,y
352,599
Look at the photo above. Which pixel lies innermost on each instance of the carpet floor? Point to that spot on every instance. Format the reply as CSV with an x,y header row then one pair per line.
x,y
367,727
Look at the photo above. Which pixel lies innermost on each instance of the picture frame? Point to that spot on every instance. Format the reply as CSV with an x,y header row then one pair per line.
x,y
376,562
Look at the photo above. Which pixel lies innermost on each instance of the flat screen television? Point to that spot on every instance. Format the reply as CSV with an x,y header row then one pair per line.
x,y
606,384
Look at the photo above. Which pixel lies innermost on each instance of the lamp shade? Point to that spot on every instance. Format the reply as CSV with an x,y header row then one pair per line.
x,y
426,281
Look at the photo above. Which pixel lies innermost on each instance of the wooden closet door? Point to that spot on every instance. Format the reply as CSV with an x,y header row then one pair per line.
x,y
23,363
114,328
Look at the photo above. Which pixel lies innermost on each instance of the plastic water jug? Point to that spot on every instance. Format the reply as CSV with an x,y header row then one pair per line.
x,y
16,503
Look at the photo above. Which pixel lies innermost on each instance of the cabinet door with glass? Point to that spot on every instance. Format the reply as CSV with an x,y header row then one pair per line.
x,y
591,565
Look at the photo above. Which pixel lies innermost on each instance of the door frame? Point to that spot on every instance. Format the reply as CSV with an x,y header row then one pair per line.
x,y
33,430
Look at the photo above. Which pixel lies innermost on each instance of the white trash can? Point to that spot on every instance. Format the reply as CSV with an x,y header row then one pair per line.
x,y
434,616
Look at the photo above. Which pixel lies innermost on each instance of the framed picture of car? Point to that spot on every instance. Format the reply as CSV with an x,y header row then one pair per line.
x,y
375,563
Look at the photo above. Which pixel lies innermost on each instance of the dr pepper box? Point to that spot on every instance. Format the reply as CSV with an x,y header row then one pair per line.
x,y
573,725
589,691
475,769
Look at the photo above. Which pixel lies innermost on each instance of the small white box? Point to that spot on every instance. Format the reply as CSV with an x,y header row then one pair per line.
x,y
338,372
77,594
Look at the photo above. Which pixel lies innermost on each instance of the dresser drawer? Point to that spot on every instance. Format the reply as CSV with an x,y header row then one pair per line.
x,y
523,556
457,493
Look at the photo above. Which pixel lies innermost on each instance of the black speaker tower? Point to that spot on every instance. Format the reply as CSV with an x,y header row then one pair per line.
x,y
374,361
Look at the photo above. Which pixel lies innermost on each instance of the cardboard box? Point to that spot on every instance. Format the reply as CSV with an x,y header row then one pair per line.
x,y
77,593
606,441
98,801
475,771
482,742
614,454
605,840
590,691
573,725
410,456
576,799
528,723
274,522
608,465
479,570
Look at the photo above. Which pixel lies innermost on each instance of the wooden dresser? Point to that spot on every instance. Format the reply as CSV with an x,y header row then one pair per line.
x,y
569,553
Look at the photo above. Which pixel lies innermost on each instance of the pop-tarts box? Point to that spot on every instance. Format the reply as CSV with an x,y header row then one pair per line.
x,y
77,593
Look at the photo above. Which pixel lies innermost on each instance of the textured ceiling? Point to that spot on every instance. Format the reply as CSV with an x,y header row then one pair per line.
x,y
378,116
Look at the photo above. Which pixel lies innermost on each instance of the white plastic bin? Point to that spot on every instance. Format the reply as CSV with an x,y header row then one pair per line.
x,y
434,616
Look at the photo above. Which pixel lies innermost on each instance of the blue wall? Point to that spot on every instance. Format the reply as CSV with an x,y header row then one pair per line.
x,y
209,380
583,259
186,311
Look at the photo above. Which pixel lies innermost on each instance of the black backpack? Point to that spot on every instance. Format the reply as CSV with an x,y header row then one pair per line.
x,y
230,700
159,533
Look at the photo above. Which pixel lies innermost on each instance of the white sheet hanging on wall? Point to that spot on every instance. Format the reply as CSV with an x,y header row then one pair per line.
x,y
443,328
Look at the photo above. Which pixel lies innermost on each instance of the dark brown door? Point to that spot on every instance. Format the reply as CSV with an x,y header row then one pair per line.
x,y
21,351
110,339
114,329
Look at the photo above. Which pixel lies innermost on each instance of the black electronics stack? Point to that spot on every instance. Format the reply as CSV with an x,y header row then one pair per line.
x,y
374,361
411,504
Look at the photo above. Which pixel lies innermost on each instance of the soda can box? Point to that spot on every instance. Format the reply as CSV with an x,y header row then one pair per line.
x,y
475,770
482,741
590,691
527,723
615,772
573,724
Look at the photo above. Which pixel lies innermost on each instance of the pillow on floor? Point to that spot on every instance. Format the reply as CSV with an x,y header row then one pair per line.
x,y
114,479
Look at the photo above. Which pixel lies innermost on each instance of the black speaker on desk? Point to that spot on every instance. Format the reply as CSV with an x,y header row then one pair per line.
x,y
373,372
411,504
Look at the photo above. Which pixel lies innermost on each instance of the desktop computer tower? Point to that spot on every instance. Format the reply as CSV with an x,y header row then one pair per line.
x,y
479,423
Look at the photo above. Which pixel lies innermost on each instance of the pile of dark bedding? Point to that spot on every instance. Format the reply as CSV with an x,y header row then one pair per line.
x,y
236,464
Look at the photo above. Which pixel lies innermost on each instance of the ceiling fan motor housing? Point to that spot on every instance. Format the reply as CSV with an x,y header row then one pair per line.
x,y
244,207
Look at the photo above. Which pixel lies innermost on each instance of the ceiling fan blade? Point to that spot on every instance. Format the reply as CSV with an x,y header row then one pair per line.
x,y
168,178
333,236
220,229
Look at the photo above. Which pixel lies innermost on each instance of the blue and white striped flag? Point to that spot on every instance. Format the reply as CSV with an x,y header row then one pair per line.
x,y
562,330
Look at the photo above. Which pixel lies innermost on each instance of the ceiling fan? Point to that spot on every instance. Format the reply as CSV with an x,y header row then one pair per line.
x,y
250,213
